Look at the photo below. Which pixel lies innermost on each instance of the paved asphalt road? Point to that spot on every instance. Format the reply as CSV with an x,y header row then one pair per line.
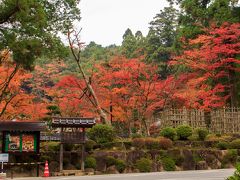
x,y
220,174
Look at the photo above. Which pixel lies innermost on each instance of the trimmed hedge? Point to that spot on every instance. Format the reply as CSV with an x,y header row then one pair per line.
x,y
90,162
144,165
120,164
184,131
152,143
168,164
235,144
168,132
222,145
202,133
102,133
139,143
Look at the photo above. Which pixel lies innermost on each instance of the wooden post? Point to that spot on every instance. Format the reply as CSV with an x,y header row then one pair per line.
x,y
61,158
61,153
37,169
83,157
83,152
38,160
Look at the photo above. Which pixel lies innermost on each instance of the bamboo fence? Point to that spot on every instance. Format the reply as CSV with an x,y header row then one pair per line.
x,y
224,120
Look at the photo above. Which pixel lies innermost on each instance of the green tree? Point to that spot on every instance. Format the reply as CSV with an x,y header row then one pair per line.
x,y
161,38
129,44
196,14
29,28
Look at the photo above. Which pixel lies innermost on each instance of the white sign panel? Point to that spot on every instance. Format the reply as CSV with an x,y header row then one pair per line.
x,y
4,157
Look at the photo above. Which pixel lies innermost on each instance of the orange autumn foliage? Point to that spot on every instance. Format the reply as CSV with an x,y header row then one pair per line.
x,y
211,63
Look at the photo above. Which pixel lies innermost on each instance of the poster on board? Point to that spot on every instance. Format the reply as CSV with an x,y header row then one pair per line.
x,y
27,142
20,142
14,142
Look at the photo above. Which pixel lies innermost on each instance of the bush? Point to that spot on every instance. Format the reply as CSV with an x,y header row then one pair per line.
x,y
110,161
165,143
138,143
144,165
184,131
168,164
168,132
108,145
151,143
230,157
101,133
222,145
236,174
178,159
202,134
50,146
90,162
89,145
235,144
120,165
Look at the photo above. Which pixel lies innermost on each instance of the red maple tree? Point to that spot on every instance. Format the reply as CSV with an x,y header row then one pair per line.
x,y
210,65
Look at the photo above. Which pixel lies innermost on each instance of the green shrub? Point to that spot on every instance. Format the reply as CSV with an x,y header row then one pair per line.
x,y
90,162
101,133
168,164
230,157
89,145
178,159
184,131
120,165
144,165
110,161
197,158
108,145
235,144
50,146
202,134
168,132
236,175
138,143
222,145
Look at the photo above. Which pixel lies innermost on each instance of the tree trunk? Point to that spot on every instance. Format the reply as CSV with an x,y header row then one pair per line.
x,y
76,56
233,88
146,126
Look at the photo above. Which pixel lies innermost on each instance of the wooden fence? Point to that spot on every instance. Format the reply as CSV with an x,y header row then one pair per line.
x,y
225,120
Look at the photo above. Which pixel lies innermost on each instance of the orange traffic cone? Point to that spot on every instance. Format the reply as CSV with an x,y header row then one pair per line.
x,y
46,170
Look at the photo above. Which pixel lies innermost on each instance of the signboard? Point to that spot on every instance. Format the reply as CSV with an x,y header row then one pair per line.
x,y
28,142
13,142
20,142
4,157
51,137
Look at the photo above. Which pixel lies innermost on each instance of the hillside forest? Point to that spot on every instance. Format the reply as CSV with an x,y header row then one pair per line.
x,y
189,58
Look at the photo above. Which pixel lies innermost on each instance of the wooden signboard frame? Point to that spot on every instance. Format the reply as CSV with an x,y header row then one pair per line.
x,y
72,131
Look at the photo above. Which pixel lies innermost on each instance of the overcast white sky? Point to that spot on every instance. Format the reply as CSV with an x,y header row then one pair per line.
x,y
105,21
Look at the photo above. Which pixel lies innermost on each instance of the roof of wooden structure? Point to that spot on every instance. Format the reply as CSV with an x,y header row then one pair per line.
x,y
73,122
29,126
